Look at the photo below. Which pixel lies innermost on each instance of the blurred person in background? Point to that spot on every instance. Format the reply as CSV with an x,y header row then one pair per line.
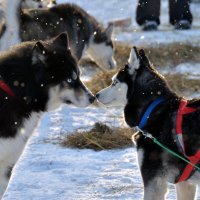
x,y
148,14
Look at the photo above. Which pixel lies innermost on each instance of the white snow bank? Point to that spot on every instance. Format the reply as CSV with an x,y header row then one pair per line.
x,y
49,171
190,69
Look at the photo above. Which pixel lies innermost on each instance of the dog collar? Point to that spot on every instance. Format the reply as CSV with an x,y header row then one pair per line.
x,y
5,87
148,112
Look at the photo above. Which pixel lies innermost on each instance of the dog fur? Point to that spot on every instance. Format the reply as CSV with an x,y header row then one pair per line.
x,y
85,33
135,87
42,75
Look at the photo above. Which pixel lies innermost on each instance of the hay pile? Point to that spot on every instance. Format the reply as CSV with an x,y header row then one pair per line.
x,y
100,137
100,80
165,55
183,84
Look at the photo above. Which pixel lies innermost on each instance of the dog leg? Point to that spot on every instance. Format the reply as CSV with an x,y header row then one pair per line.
x,y
185,191
155,189
155,185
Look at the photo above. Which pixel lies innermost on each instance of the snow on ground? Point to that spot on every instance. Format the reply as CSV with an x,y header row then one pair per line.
x,y
48,171
192,70
116,9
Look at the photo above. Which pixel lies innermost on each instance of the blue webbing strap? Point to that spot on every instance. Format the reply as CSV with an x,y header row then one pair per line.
x,y
149,110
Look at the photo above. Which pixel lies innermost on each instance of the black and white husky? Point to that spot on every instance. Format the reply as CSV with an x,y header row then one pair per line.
x,y
85,33
137,87
35,77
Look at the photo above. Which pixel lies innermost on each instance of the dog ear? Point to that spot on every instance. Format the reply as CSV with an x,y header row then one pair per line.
x,y
39,53
133,61
109,30
39,56
145,59
61,40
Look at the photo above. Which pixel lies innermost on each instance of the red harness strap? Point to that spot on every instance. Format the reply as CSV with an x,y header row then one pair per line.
x,y
183,110
189,168
6,88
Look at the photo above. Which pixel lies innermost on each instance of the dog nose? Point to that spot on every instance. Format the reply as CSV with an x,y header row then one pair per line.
x,y
97,95
40,6
92,99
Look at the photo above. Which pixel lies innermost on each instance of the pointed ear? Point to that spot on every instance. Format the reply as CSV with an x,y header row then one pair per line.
x,y
144,58
109,30
39,53
134,61
39,56
61,40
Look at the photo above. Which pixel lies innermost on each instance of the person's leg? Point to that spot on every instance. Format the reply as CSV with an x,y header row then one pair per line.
x,y
148,11
180,15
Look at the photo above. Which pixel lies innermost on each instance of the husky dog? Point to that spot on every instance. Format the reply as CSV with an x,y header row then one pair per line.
x,y
35,77
135,87
84,32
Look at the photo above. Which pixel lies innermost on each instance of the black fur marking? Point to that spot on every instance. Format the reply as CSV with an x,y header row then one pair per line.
x,y
9,172
31,82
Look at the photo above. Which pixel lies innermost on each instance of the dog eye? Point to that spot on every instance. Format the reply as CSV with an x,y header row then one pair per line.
x,y
114,82
69,80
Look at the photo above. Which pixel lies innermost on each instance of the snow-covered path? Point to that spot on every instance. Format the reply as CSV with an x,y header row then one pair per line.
x,y
49,171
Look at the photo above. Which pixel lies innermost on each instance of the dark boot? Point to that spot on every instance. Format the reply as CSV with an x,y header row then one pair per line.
x,y
148,13
180,15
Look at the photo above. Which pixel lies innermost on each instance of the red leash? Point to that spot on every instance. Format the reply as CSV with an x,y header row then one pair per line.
x,y
184,110
6,88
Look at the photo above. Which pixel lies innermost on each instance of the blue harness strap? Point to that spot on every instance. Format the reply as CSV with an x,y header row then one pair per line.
x,y
149,110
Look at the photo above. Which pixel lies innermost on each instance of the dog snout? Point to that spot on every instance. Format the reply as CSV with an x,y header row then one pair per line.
x,y
92,99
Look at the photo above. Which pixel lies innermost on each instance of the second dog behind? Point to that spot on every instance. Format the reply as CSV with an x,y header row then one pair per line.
x,y
84,31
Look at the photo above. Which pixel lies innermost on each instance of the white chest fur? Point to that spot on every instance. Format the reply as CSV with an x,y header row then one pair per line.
x,y
11,148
